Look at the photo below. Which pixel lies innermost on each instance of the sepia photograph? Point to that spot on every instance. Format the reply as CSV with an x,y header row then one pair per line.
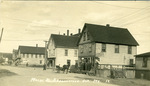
x,y
74,43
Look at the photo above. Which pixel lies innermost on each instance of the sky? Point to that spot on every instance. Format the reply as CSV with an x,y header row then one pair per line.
x,y
31,22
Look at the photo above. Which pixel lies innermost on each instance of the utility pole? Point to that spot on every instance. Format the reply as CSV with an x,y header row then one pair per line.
x,y
1,34
45,62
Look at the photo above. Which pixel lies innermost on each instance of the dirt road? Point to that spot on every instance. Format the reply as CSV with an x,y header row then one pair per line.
x,y
28,76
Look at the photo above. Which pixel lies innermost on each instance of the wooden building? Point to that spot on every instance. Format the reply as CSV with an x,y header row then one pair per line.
x,y
142,65
62,50
31,55
106,45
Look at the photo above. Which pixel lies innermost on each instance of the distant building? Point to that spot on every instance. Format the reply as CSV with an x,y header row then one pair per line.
x,y
7,57
106,45
142,64
62,50
31,55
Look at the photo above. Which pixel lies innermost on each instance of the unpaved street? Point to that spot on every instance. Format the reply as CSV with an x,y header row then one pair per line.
x,y
27,76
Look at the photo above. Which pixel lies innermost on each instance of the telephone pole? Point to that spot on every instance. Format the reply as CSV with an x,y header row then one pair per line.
x,y
45,62
1,34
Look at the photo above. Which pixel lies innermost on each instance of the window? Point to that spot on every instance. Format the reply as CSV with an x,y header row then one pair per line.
x,y
84,36
39,55
131,61
40,61
35,55
144,62
75,53
116,48
129,49
88,36
90,47
53,52
31,55
27,55
23,55
81,48
66,52
103,47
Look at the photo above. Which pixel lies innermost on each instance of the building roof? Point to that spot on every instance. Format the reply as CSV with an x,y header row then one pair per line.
x,y
143,55
31,50
65,41
107,34
78,34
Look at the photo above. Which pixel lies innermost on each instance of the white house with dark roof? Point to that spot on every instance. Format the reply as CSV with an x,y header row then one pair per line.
x,y
62,50
31,55
106,45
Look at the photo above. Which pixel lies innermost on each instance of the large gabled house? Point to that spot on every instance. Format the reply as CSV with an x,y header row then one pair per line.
x,y
31,55
62,50
106,45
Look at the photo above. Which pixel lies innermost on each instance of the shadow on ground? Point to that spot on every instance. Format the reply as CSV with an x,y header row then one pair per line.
x,y
4,72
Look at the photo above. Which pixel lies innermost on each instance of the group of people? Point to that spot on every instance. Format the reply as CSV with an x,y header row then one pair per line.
x,y
85,66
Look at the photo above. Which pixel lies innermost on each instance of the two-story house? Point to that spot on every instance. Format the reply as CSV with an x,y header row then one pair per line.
x,y
106,45
31,55
142,65
62,50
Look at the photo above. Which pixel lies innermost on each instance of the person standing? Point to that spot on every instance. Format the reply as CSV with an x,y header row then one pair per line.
x,y
44,66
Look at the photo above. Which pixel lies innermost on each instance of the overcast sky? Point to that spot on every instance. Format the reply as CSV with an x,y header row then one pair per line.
x,y
31,22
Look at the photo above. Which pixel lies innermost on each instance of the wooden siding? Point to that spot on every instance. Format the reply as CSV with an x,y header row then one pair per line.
x,y
85,51
142,74
85,41
51,49
139,63
115,58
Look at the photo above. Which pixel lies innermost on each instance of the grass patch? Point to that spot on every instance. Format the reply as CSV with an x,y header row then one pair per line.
x,y
4,72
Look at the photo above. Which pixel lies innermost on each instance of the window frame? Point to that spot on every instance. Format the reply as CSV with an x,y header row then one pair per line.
x,y
103,47
129,49
90,47
116,48
84,36
88,36
81,48
75,53
66,53
145,61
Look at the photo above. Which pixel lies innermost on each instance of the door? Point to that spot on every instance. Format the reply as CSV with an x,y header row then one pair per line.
x,y
68,62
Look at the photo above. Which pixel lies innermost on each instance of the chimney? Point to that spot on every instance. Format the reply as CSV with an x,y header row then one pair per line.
x,y
79,30
67,32
36,45
107,25
64,34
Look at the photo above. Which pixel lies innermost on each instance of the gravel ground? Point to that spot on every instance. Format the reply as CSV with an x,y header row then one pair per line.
x,y
36,76
29,76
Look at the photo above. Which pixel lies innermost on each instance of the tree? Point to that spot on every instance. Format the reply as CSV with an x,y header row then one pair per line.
x,y
2,60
